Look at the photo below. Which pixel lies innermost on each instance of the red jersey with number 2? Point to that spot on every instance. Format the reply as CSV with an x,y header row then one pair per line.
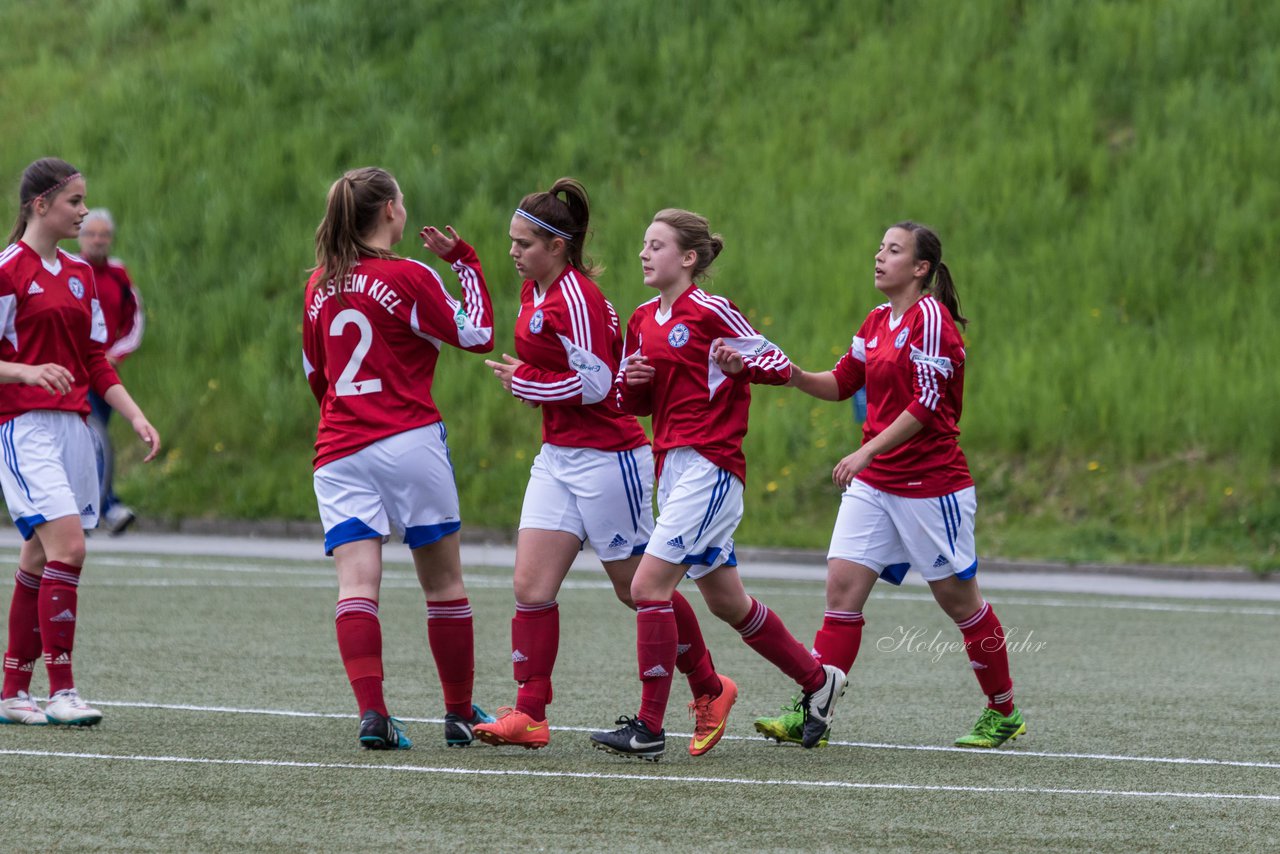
x,y
370,345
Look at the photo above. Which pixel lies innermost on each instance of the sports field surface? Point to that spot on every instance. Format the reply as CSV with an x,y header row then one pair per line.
x,y
229,725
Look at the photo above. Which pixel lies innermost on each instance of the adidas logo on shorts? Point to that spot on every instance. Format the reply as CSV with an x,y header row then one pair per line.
x,y
941,561
677,542
657,672
617,542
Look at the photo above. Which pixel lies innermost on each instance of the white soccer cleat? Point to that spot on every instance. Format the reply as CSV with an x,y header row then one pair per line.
x,y
67,709
820,706
118,519
22,710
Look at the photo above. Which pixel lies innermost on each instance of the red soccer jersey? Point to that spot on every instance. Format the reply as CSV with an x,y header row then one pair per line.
x,y
570,343
121,308
51,314
370,344
915,363
693,403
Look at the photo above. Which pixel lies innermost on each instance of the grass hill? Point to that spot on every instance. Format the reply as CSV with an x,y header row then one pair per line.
x,y
1103,175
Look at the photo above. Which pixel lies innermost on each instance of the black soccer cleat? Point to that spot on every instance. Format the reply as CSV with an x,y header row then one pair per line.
x,y
457,730
381,732
632,738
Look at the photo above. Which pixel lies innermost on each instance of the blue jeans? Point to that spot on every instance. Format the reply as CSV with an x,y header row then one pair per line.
x,y
99,414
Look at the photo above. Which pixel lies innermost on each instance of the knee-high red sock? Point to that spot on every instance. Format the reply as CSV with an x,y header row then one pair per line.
x,y
360,645
984,640
451,634
535,643
693,659
24,635
56,605
656,655
838,640
764,632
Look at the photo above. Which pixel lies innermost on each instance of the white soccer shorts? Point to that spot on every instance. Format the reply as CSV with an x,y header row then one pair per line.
x,y
891,534
50,469
402,483
602,496
699,508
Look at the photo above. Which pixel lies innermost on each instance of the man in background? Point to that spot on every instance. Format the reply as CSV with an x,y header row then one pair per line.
x,y
122,313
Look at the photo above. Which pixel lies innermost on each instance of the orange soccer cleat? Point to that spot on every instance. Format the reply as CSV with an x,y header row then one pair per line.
x,y
513,727
710,716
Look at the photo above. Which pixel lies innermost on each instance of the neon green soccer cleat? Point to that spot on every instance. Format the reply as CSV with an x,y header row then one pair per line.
x,y
994,729
788,727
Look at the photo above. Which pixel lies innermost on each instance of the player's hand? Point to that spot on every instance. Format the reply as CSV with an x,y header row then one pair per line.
x,y
439,242
847,469
505,370
726,358
51,377
148,435
639,371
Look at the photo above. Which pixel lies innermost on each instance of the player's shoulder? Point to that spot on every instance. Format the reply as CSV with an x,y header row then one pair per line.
x,y
11,266
704,302
74,262
573,278
11,257
648,308
412,268
932,311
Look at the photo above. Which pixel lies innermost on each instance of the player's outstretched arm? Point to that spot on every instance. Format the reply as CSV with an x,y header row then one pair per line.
x,y
822,385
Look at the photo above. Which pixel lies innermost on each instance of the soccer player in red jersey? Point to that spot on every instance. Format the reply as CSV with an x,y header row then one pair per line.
x,y
372,327
122,312
909,499
51,355
593,477
690,358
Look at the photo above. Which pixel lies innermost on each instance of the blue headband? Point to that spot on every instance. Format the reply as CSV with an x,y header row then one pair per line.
x,y
544,225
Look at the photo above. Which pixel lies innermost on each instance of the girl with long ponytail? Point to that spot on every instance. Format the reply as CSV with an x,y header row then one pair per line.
x,y
909,499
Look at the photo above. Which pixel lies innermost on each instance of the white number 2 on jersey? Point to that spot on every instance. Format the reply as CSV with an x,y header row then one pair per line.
x,y
346,384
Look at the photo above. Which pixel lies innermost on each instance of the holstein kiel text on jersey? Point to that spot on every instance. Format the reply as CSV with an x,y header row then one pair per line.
x,y
355,284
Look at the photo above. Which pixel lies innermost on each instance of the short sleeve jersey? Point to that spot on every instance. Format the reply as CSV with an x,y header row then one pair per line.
x,y
570,342
693,403
913,363
51,313
370,345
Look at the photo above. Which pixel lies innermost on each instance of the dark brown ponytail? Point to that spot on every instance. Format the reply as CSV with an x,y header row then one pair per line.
x,y
570,216
351,213
938,281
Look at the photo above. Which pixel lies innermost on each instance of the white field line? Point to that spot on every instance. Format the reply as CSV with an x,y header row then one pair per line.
x,y
639,778
1101,757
